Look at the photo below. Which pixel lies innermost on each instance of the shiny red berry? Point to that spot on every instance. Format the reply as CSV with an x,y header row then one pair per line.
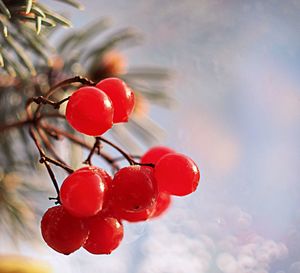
x,y
82,193
90,111
63,232
121,96
163,202
155,153
135,216
106,179
102,173
177,174
134,189
105,235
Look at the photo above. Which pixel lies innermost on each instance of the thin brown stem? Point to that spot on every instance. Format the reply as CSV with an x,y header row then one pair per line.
x,y
123,153
49,146
95,148
42,100
135,163
15,124
145,164
23,122
120,158
59,132
52,90
128,157
59,164
44,161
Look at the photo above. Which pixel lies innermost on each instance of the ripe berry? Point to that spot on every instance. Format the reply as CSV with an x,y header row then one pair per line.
x,y
162,204
82,193
63,232
135,216
90,111
177,174
105,234
106,179
102,173
155,153
121,96
134,189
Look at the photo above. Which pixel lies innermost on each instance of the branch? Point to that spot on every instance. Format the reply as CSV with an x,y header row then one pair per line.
x,y
52,90
44,161
23,122
52,130
42,100
49,146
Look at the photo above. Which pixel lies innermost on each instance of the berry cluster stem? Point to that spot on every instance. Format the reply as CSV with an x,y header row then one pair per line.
x,y
96,147
42,100
123,153
44,160
57,133
67,82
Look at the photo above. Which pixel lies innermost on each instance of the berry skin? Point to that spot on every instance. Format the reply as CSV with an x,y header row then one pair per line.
x,y
155,153
63,232
135,216
134,189
106,179
102,173
105,234
82,193
121,96
161,205
163,202
90,111
176,174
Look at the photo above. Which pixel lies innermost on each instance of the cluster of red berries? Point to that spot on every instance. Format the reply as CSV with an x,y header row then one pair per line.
x,y
93,110
93,204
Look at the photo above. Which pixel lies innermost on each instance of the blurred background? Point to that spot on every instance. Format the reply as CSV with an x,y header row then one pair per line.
x,y
236,89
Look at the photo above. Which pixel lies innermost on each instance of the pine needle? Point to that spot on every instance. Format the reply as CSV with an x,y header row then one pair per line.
x,y
28,6
38,25
72,3
1,60
4,9
21,54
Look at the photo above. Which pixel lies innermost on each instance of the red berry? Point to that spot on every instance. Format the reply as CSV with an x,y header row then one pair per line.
x,y
63,232
106,179
121,96
105,234
177,174
134,189
155,153
82,193
162,204
90,111
134,216
102,173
